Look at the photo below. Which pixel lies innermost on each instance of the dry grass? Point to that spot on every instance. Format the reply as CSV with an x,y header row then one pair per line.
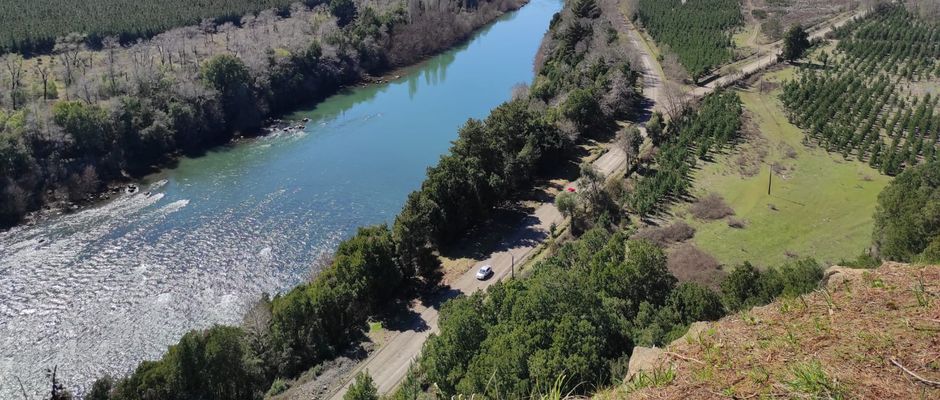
x,y
690,264
711,207
846,341
664,236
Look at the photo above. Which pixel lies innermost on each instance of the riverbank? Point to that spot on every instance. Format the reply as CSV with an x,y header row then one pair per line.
x,y
220,230
129,124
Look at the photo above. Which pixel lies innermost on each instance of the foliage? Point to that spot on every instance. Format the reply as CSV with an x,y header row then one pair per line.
x,y
747,286
344,11
303,327
208,364
795,43
571,318
860,104
907,219
715,124
362,388
697,31
101,389
579,314
127,109
495,157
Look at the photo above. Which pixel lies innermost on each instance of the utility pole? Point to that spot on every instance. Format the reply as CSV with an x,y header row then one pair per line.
x,y
770,177
512,267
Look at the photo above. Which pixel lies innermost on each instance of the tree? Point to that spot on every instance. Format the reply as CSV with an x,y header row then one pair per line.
x,y
907,217
362,389
344,11
655,127
229,75
742,288
226,73
582,108
795,43
14,66
101,389
68,48
693,302
629,141
89,125
44,71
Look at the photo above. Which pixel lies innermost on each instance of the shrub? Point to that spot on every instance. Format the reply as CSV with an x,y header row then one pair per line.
x,y
747,286
711,207
690,264
277,387
736,223
362,389
664,236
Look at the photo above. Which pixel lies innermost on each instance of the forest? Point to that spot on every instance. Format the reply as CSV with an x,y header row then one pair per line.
x,y
33,26
866,99
73,122
698,32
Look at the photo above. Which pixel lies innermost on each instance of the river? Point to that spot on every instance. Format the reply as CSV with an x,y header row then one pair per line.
x,y
97,291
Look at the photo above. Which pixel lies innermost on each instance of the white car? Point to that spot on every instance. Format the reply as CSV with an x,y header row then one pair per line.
x,y
484,272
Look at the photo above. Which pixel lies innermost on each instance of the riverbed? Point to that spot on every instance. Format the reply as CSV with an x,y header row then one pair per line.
x,y
97,291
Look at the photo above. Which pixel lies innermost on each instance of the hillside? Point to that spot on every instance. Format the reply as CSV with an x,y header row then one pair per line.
x,y
867,334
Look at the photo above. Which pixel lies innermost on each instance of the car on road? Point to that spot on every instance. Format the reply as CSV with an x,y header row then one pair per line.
x,y
484,272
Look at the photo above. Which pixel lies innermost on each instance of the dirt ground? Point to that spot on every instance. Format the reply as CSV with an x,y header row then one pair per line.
x,y
870,334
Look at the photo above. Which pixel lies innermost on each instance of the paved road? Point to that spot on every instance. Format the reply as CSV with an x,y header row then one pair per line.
x,y
390,363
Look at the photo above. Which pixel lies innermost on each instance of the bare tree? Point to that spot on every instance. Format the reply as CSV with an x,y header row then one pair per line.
x,y
111,45
43,69
676,101
14,66
674,69
68,49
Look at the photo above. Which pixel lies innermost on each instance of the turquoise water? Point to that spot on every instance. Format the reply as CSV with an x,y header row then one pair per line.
x,y
98,291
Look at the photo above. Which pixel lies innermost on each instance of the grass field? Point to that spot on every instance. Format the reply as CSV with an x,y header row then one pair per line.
x,y
821,205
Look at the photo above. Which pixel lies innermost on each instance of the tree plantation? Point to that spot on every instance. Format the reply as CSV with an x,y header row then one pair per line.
x,y
865,99
697,31
33,26
694,135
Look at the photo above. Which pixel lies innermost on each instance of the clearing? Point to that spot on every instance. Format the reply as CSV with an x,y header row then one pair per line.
x,y
821,204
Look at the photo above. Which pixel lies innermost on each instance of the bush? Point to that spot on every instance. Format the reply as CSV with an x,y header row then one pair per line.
x,y
907,218
277,387
747,286
711,207
690,264
362,389
663,236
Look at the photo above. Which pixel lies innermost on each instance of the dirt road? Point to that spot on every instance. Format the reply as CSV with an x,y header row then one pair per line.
x,y
771,58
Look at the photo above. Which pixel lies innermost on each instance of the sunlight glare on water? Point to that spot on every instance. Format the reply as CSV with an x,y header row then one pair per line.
x,y
97,291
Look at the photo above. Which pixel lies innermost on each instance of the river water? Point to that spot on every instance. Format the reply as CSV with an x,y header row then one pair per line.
x,y
98,291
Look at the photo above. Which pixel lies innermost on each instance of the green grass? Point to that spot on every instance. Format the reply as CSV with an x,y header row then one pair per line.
x,y
824,203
